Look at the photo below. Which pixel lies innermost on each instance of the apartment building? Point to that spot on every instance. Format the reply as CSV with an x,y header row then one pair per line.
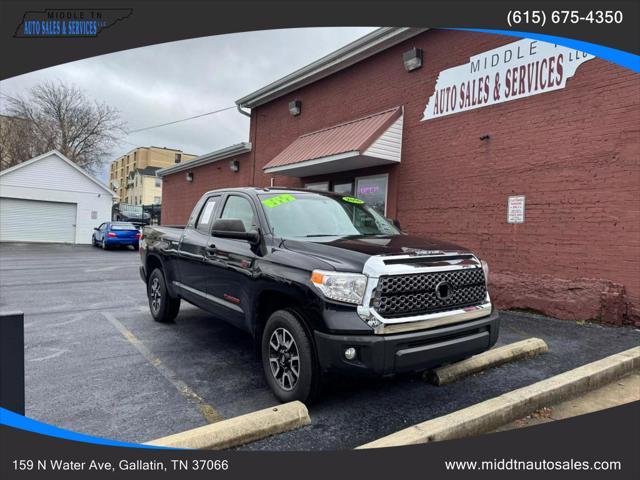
x,y
132,176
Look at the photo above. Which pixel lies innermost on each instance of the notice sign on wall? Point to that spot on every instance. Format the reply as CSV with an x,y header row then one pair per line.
x,y
515,209
517,70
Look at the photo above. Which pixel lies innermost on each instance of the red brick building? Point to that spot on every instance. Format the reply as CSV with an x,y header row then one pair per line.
x,y
571,151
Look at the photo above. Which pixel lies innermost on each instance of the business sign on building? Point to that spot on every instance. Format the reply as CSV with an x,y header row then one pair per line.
x,y
515,209
517,70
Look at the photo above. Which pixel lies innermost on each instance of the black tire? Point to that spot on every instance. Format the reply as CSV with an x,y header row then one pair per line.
x,y
163,308
93,241
306,385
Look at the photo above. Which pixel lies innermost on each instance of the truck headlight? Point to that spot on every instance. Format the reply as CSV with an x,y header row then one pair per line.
x,y
485,269
344,287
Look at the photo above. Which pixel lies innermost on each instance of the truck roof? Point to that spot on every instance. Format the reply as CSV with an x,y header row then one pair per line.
x,y
262,190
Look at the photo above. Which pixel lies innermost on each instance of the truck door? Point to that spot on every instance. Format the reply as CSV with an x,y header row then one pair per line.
x,y
192,264
235,261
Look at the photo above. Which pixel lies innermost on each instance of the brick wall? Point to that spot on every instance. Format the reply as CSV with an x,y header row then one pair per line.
x,y
573,153
180,196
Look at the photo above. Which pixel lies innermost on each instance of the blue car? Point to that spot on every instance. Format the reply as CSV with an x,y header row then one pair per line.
x,y
116,234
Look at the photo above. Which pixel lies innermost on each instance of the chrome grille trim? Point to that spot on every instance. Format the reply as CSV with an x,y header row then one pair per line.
x,y
412,294
375,268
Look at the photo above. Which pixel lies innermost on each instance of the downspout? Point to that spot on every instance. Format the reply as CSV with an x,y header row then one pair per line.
x,y
252,140
239,107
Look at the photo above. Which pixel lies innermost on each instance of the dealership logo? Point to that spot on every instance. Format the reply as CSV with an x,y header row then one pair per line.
x,y
516,70
69,23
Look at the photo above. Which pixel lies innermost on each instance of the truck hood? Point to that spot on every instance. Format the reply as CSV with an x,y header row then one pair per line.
x,y
350,253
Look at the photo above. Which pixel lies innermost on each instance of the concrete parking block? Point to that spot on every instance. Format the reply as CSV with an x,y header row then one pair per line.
x,y
240,430
491,358
495,412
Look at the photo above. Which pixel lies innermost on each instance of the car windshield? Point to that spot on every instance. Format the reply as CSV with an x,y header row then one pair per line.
x,y
123,226
300,214
131,209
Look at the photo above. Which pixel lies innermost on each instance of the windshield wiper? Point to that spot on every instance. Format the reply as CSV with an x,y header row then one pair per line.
x,y
325,235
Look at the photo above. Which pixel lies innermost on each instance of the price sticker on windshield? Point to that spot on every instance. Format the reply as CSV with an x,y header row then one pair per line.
x,y
278,200
355,200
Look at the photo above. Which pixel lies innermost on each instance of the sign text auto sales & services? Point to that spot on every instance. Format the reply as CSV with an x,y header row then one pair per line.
x,y
516,70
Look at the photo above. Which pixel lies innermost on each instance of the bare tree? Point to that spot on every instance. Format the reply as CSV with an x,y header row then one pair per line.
x,y
60,116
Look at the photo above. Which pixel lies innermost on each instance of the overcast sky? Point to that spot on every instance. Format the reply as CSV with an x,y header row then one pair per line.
x,y
163,83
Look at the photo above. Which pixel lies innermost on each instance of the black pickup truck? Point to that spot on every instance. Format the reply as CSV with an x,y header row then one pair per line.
x,y
323,283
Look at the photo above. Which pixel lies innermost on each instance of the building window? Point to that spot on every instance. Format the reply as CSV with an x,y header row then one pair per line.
x,y
156,200
158,182
373,190
343,188
178,158
324,186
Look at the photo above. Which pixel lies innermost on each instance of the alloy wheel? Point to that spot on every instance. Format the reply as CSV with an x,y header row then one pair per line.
x,y
155,294
284,358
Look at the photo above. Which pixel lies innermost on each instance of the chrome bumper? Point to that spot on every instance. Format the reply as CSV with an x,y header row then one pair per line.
x,y
422,322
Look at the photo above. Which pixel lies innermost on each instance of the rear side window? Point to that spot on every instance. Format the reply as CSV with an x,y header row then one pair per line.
x,y
206,215
239,208
123,226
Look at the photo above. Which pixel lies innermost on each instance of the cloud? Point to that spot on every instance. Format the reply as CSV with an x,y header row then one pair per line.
x,y
170,81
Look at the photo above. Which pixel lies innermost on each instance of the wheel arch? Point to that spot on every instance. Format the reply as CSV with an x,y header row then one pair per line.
x,y
269,301
154,261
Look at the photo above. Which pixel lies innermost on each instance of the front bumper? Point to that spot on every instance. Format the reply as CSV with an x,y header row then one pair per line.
x,y
405,352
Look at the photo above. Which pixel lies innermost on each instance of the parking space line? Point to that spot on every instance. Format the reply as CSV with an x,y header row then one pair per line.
x,y
210,414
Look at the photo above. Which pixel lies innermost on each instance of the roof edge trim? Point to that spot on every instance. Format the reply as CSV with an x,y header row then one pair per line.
x,y
211,157
350,54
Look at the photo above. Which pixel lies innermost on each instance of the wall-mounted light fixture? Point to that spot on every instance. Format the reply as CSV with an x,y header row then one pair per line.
x,y
234,165
295,107
412,59
485,137
189,176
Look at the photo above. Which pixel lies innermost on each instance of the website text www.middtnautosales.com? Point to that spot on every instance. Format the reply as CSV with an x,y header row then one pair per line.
x,y
512,464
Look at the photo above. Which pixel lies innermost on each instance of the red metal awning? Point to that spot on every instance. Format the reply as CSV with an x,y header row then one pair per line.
x,y
372,140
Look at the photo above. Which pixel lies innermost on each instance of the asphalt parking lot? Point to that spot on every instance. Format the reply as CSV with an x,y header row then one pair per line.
x,y
97,363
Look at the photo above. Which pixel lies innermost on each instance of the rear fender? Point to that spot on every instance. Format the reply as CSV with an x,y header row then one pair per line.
x,y
154,261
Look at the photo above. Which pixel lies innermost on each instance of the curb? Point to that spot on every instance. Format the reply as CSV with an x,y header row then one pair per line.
x,y
240,430
491,358
495,412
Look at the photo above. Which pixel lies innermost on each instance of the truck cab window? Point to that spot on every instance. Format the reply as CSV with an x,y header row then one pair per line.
x,y
240,208
206,215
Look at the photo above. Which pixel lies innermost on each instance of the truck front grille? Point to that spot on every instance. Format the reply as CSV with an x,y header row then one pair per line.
x,y
415,294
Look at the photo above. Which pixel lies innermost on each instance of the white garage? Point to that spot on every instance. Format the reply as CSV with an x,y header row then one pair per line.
x,y
51,199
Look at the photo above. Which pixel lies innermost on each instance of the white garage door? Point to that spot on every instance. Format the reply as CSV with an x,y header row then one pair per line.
x,y
35,221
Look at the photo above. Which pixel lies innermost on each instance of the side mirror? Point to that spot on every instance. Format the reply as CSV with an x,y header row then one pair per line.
x,y
234,228
96,228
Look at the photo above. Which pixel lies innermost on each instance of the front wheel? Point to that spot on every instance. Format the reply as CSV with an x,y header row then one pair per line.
x,y
163,308
288,358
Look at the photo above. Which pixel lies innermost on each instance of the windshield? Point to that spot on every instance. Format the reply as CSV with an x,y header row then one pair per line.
x,y
301,214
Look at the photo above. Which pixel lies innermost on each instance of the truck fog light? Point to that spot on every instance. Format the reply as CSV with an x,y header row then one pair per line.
x,y
350,353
